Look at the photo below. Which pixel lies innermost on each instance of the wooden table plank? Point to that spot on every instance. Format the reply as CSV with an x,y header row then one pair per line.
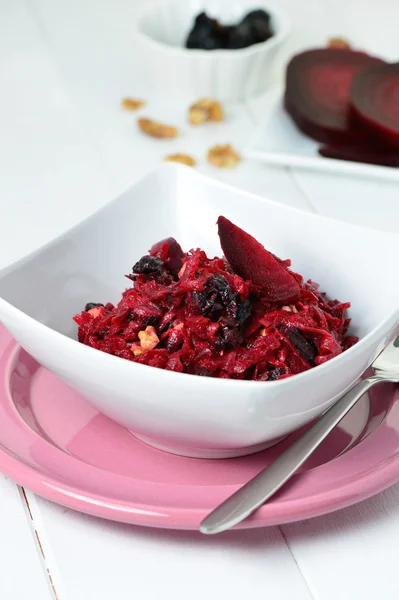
x,y
111,560
22,567
351,553
46,164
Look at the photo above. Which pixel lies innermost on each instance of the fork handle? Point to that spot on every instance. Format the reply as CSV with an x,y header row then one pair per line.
x,y
264,485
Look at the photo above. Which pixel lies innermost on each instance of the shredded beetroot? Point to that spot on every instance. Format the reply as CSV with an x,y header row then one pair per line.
x,y
206,320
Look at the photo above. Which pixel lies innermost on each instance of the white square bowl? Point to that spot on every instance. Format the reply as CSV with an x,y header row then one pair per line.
x,y
187,414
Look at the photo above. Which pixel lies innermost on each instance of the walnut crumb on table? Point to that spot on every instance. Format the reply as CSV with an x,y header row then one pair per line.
x,y
132,104
156,129
339,43
204,110
184,159
223,157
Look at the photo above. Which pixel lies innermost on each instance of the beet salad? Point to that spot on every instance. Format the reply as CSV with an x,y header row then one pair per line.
x,y
245,316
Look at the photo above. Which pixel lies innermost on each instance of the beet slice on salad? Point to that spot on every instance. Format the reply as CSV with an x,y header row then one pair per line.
x,y
170,252
374,98
318,84
249,259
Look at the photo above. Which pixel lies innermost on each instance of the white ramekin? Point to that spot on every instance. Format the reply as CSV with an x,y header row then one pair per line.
x,y
160,32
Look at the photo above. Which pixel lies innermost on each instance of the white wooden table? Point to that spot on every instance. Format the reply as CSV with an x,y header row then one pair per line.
x,y
65,149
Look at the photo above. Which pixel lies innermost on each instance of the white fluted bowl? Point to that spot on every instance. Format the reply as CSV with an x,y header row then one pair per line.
x,y
161,29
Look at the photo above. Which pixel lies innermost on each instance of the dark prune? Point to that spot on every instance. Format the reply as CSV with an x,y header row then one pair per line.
x,y
204,34
174,341
219,302
153,320
276,374
241,37
209,34
229,338
91,305
148,265
257,15
254,28
206,302
229,334
306,348
244,311
225,291
216,296
202,372
222,33
207,299
259,21
203,20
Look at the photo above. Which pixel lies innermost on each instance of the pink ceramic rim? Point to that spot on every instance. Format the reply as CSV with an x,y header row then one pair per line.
x,y
365,470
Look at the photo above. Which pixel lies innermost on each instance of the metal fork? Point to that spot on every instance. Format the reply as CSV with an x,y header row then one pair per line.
x,y
264,485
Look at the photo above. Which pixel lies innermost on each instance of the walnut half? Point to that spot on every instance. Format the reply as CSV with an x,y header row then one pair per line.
x,y
339,43
184,159
148,338
204,110
132,104
223,157
156,129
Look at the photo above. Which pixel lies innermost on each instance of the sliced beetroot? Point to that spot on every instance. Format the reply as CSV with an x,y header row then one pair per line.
x,y
374,99
370,153
317,92
249,259
169,250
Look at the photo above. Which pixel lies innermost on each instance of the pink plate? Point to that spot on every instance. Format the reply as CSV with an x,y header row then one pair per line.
x,y
53,442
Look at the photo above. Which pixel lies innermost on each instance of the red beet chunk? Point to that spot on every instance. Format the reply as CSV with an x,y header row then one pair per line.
x,y
251,260
171,253
369,153
317,92
375,101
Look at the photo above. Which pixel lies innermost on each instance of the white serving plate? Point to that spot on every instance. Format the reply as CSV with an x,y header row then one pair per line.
x,y
278,141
